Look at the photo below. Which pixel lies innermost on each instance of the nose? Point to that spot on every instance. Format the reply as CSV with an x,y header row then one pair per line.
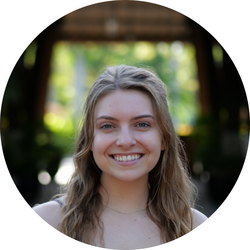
x,y
125,138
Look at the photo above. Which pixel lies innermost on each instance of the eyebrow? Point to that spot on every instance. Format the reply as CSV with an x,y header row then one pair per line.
x,y
106,117
143,116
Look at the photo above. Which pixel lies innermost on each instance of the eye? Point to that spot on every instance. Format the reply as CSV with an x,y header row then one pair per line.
x,y
107,126
143,125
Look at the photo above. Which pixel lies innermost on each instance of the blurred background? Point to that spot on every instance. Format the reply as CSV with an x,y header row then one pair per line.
x,y
44,97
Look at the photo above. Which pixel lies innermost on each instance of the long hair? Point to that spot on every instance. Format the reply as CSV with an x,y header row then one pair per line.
x,y
171,190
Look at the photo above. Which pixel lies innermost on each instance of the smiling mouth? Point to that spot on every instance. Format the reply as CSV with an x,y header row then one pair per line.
x,y
124,158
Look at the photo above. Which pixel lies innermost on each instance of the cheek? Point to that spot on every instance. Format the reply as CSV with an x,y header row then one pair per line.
x,y
154,143
101,143
98,152
97,146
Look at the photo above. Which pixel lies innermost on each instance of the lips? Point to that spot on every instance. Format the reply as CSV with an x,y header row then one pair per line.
x,y
126,158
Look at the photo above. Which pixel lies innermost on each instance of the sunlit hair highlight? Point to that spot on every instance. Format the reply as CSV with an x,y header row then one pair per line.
x,y
171,193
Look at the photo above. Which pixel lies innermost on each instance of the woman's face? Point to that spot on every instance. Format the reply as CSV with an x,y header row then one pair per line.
x,y
127,140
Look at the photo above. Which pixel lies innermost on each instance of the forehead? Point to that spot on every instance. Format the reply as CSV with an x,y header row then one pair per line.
x,y
124,102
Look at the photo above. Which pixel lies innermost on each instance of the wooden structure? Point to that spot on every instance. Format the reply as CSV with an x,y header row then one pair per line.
x,y
134,21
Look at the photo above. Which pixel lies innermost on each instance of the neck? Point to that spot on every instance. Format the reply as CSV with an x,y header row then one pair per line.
x,y
122,196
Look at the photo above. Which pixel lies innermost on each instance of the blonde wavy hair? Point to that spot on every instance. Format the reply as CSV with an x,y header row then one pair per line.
x,y
171,193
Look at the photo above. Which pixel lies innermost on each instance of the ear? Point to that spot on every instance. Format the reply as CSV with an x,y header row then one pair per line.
x,y
91,147
162,145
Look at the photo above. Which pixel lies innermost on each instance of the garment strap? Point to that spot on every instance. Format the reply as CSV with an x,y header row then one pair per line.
x,y
59,202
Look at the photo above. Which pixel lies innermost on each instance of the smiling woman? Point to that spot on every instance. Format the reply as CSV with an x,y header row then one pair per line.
x,y
131,188
130,147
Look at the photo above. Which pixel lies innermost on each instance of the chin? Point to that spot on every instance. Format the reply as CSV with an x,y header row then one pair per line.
x,y
132,177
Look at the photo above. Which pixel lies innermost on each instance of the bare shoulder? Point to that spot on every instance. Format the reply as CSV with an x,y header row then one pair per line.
x,y
50,212
198,217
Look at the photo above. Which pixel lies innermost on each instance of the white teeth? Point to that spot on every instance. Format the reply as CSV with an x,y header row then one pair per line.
x,y
127,158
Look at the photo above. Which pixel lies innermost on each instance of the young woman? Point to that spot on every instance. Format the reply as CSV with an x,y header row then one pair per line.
x,y
131,188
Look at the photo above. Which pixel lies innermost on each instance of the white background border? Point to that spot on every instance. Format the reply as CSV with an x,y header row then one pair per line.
x,y
22,21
